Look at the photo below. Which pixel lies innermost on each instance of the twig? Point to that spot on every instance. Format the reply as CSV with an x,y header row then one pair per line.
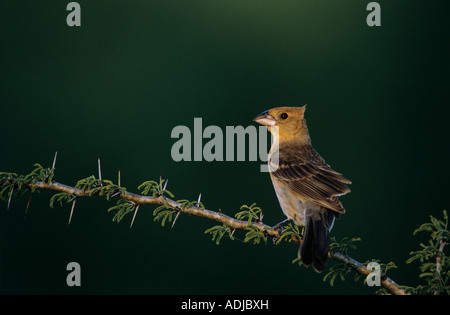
x,y
442,243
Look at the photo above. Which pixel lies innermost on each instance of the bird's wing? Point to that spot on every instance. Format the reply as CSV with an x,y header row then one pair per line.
x,y
307,174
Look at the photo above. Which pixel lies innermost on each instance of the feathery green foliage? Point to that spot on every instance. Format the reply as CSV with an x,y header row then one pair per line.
x,y
254,235
154,188
122,208
340,269
185,204
289,233
40,174
99,187
12,186
163,213
60,197
218,231
344,245
435,264
250,213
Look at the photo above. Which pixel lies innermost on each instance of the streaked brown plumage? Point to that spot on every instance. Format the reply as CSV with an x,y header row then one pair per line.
x,y
306,186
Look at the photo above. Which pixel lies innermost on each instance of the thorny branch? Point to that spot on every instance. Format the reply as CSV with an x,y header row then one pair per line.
x,y
194,209
161,200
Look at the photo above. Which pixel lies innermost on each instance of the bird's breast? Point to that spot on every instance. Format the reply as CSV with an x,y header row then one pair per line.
x,y
293,207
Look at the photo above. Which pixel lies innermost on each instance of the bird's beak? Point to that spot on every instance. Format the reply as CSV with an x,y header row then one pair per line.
x,y
265,119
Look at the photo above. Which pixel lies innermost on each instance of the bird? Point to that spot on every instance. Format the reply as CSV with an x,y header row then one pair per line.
x,y
307,188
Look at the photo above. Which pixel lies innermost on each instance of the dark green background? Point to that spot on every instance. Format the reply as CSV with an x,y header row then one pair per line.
x,y
115,87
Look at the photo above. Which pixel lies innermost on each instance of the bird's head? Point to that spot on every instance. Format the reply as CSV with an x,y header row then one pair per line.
x,y
289,120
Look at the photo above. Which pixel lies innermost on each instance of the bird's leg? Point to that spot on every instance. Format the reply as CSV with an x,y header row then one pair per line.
x,y
279,226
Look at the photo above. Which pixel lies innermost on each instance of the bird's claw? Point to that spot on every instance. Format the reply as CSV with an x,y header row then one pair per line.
x,y
279,228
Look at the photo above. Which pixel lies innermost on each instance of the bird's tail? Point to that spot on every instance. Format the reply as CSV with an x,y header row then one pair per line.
x,y
314,247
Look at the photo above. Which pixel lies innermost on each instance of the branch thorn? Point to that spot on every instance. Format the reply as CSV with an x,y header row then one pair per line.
x,y
28,204
99,172
54,160
71,211
116,193
176,217
10,196
134,215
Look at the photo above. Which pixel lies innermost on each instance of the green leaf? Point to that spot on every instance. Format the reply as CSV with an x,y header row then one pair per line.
x,y
289,232
436,281
426,274
218,231
60,197
122,208
250,213
343,245
154,188
254,235
148,186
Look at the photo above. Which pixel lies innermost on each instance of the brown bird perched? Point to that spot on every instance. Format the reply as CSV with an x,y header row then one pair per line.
x,y
306,186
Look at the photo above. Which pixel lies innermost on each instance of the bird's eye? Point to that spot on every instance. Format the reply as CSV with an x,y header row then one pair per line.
x,y
284,116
